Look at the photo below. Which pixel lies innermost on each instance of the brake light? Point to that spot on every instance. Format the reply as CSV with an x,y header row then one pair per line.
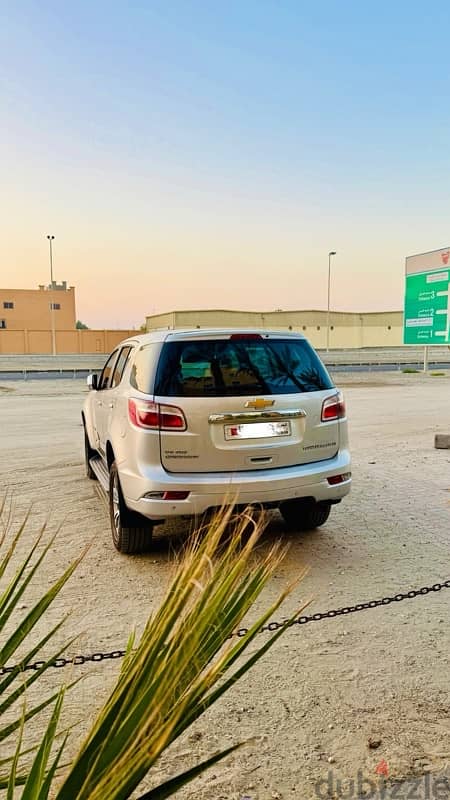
x,y
333,408
246,336
154,416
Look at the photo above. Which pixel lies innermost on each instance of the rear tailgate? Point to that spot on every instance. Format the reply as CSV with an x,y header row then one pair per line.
x,y
227,437
245,404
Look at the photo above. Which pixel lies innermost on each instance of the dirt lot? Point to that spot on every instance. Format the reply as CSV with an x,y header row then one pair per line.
x,y
325,689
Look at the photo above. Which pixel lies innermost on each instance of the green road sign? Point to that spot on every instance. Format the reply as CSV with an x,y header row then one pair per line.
x,y
427,311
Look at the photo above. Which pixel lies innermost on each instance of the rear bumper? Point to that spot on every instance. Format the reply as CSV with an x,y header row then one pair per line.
x,y
207,490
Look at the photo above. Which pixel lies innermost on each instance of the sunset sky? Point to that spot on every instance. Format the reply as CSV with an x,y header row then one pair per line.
x,y
206,154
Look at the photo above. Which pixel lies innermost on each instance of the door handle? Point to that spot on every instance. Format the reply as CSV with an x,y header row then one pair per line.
x,y
111,405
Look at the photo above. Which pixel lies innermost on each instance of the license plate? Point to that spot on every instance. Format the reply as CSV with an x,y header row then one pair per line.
x,y
257,430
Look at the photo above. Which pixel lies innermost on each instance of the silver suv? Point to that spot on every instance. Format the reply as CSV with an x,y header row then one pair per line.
x,y
180,422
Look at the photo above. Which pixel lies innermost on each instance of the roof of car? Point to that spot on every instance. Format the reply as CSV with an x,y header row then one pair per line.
x,y
163,335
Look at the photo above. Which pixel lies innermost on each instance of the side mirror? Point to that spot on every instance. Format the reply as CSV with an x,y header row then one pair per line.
x,y
92,381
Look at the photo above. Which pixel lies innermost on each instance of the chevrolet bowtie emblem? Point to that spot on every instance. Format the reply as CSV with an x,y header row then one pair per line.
x,y
259,402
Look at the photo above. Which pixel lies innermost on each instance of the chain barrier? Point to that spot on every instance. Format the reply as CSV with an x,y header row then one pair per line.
x,y
58,663
270,627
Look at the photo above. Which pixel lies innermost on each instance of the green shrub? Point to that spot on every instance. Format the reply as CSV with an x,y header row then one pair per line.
x,y
182,664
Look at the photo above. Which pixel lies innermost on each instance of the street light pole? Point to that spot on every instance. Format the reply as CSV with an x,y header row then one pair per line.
x,y
331,253
52,309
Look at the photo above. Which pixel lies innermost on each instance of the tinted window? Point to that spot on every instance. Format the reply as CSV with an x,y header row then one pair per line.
x,y
219,368
120,366
143,370
107,370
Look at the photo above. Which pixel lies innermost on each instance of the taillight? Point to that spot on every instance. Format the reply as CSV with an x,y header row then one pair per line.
x,y
154,416
333,408
171,418
143,414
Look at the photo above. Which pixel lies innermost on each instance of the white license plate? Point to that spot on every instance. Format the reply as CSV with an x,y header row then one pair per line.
x,y
257,430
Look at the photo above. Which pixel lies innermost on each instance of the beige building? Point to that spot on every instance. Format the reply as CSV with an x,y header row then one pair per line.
x,y
77,342
30,309
26,326
347,329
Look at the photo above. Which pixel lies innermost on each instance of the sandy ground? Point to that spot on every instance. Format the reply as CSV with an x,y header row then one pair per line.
x,y
326,689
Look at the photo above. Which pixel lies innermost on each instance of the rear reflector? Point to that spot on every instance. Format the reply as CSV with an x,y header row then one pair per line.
x,y
333,408
154,416
170,495
333,480
175,495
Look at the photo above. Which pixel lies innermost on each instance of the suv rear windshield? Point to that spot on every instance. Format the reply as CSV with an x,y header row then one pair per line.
x,y
239,367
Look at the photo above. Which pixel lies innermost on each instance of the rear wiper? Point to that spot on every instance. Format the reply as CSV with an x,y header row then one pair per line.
x,y
252,368
217,374
285,369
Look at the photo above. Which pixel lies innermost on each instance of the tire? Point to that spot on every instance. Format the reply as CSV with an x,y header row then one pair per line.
x,y
304,516
131,532
88,454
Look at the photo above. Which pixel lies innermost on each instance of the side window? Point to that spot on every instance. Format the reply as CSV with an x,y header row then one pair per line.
x,y
120,366
107,371
142,373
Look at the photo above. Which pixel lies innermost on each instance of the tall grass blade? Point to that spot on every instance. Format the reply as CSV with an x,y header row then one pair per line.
x,y
171,786
23,630
13,773
33,675
33,789
4,561
48,782
14,590
13,726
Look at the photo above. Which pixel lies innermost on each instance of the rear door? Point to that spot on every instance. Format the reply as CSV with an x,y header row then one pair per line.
x,y
251,401
100,404
113,394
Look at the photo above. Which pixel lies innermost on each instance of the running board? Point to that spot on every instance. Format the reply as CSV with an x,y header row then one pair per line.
x,y
101,472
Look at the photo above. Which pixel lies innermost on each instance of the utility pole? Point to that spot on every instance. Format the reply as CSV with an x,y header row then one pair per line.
x,y
331,253
52,305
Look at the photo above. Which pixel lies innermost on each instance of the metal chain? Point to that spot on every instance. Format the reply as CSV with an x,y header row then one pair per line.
x,y
337,612
271,626
63,662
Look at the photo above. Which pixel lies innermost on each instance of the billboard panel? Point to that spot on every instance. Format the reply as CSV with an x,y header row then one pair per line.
x,y
427,305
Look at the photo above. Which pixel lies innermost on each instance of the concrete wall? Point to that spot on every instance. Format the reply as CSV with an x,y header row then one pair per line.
x,y
24,342
31,308
347,330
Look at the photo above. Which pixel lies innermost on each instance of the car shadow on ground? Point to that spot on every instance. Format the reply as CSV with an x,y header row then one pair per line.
x,y
170,539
